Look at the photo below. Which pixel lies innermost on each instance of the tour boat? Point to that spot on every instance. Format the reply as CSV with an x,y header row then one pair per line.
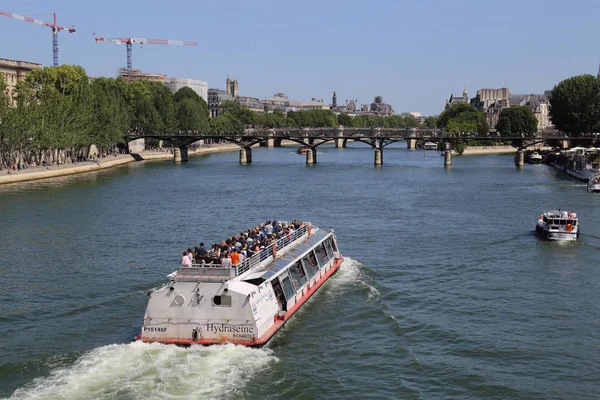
x,y
594,183
558,225
534,158
245,304
430,146
582,162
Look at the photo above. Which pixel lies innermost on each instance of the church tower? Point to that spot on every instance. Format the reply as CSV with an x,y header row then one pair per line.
x,y
334,100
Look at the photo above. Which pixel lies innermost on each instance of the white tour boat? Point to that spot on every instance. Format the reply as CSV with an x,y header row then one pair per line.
x,y
534,158
582,162
594,183
430,146
558,225
245,304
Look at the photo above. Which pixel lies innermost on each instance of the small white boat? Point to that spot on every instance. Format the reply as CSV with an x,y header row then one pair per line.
x,y
582,162
430,146
558,225
535,158
594,183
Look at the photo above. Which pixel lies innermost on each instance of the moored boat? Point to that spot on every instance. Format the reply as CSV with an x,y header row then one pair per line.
x,y
594,183
247,303
302,150
581,162
534,158
558,225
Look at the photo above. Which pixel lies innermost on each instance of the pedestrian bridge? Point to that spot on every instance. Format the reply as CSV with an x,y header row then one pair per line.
x,y
311,138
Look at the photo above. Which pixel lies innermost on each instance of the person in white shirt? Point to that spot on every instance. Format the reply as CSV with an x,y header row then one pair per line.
x,y
185,260
226,260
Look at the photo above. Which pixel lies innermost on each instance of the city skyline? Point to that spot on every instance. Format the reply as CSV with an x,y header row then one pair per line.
x,y
311,49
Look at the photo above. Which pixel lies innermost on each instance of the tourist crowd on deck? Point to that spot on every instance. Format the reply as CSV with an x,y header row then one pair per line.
x,y
237,248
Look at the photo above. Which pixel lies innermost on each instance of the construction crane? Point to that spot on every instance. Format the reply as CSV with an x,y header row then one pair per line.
x,y
55,30
130,41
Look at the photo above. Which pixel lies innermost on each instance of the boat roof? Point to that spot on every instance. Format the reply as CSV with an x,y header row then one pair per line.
x,y
289,257
561,214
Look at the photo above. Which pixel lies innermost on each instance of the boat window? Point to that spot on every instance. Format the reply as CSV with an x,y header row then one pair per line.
x,y
298,276
328,248
308,267
573,223
563,221
287,288
321,255
333,244
223,301
313,261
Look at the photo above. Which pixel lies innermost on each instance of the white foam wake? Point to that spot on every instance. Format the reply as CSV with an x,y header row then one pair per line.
x,y
351,274
151,371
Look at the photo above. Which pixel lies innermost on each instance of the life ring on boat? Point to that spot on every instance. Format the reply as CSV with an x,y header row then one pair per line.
x,y
569,227
274,251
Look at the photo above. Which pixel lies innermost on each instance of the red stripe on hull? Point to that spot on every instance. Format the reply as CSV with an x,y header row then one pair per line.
x,y
271,331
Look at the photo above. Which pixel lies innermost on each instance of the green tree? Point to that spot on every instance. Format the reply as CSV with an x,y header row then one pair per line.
x,y
191,110
463,118
517,120
430,122
345,120
575,105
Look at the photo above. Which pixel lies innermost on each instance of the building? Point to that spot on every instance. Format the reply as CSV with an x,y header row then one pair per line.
x,y
378,107
231,86
14,71
215,98
491,102
457,99
416,115
251,103
137,75
279,101
539,105
200,87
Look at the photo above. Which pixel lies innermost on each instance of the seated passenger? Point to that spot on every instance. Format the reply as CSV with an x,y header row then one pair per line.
x,y
186,261
226,260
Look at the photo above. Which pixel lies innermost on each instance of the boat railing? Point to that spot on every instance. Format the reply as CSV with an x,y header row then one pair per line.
x,y
271,250
249,263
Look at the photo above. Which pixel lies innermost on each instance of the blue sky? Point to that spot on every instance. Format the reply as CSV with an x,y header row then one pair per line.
x,y
412,53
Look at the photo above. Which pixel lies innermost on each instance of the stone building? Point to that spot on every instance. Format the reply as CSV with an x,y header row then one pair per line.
x,y
231,86
491,102
215,98
200,87
14,71
457,99
251,103
378,107
539,105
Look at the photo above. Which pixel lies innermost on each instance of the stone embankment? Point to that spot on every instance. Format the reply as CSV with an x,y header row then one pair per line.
x,y
11,176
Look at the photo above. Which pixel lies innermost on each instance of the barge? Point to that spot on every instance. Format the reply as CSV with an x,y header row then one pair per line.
x,y
244,304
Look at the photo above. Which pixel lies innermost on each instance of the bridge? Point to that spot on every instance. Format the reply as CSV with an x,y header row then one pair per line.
x,y
311,138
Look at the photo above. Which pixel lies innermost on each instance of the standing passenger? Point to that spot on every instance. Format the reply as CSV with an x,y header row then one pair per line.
x,y
185,261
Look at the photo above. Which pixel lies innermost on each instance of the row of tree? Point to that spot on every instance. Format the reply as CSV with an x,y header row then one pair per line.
x,y
61,108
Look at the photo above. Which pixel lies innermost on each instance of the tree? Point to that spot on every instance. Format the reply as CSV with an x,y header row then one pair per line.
x,y
575,105
430,122
191,110
517,120
345,119
463,118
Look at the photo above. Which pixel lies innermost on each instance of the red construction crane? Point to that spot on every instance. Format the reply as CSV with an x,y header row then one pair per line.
x,y
130,41
55,30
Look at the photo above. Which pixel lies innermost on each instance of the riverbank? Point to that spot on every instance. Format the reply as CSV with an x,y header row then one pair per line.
x,y
30,174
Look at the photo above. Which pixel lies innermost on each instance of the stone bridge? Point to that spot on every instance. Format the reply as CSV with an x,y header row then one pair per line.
x,y
311,138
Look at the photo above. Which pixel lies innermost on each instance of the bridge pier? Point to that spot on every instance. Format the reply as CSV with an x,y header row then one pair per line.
x,y
447,158
180,154
311,156
520,158
249,154
411,144
339,141
378,153
268,143
136,146
244,155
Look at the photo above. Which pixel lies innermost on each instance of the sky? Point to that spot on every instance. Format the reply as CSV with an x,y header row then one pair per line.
x,y
414,54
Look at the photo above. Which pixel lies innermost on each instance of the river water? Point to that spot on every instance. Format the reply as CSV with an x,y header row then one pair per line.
x,y
446,291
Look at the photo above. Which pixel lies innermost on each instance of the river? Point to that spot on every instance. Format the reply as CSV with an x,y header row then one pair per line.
x,y
446,291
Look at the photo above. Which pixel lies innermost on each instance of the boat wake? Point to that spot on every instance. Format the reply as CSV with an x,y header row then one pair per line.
x,y
152,371
351,273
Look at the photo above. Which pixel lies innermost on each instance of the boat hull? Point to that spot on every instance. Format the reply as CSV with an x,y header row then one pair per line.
x,y
557,236
278,323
